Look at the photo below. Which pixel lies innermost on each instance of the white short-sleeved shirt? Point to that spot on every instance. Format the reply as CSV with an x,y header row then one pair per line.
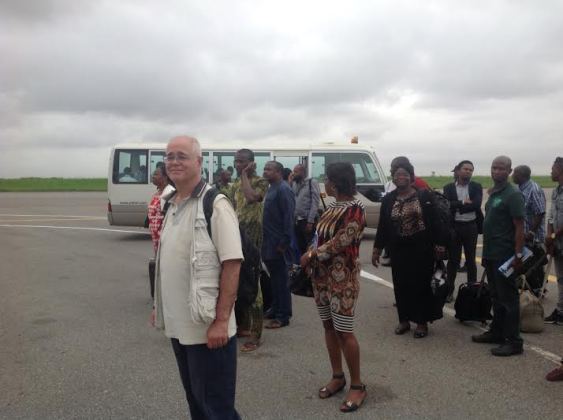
x,y
175,259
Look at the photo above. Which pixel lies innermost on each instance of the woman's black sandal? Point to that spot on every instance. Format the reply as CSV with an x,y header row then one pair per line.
x,y
350,406
420,332
325,393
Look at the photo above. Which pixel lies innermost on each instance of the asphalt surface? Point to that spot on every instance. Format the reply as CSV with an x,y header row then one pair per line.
x,y
75,340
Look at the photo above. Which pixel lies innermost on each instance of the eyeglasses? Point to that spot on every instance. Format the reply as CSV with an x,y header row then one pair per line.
x,y
178,158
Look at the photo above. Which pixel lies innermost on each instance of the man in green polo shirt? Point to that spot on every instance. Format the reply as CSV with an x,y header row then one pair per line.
x,y
503,237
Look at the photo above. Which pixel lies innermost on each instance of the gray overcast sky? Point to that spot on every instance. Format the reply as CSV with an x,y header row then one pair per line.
x,y
438,81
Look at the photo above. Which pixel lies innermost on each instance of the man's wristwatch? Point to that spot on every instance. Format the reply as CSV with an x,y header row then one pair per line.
x,y
519,255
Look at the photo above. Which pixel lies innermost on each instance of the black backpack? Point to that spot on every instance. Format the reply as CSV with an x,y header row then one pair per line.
x,y
441,205
251,266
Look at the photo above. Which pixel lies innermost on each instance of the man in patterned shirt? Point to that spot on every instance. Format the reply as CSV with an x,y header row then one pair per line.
x,y
247,195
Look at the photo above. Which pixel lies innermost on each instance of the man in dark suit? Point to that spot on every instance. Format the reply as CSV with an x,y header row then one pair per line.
x,y
465,198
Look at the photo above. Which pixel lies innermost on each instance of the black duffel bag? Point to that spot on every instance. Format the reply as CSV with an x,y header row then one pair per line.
x,y
473,301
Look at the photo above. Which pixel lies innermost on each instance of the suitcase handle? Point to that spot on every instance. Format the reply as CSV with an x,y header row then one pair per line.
x,y
482,283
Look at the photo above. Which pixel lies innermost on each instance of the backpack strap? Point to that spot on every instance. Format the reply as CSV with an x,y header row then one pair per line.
x,y
208,200
167,203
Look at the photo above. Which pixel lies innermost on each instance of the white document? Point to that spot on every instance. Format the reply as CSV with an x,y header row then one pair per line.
x,y
506,268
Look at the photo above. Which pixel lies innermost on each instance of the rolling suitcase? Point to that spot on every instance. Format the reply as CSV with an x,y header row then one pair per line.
x,y
473,301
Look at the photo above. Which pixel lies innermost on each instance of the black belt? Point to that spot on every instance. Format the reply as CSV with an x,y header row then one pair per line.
x,y
465,222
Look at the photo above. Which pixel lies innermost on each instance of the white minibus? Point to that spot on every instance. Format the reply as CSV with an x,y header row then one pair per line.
x,y
131,166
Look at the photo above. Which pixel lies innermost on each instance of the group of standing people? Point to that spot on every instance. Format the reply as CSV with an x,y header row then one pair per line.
x,y
514,218
198,266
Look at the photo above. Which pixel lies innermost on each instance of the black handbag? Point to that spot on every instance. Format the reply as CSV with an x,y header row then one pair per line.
x,y
300,283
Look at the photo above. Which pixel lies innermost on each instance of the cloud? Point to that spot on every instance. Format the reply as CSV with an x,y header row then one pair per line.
x,y
408,77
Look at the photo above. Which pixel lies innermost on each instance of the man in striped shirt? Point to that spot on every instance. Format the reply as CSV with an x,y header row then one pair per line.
x,y
534,202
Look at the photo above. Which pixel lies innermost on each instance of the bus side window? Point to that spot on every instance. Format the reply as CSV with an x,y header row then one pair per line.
x,y
157,158
205,166
260,158
130,167
318,166
222,161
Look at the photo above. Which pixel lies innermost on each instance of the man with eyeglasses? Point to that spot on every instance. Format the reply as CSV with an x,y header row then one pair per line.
x,y
196,285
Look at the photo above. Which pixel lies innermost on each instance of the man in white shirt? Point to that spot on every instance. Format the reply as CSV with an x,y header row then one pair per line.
x,y
196,285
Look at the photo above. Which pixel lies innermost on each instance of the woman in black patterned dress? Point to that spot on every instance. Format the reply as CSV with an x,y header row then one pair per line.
x,y
406,227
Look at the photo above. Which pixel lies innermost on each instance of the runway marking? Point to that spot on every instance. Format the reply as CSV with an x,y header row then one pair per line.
x,y
552,357
78,228
82,219
51,215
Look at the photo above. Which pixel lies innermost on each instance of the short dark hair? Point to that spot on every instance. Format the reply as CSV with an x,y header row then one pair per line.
x,y
524,170
403,165
249,154
399,160
162,167
464,162
559,162
278,166
286,172
343,176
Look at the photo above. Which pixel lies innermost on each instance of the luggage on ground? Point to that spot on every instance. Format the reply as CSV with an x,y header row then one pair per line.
x,y
473,301
531,308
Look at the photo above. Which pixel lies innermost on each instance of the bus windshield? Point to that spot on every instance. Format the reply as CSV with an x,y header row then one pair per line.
x,y
364,166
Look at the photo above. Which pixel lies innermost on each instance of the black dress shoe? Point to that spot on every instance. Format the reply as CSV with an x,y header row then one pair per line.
x,y
508,349
488,338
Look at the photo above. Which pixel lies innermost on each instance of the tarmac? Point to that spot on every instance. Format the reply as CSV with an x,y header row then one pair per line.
x,y
76,342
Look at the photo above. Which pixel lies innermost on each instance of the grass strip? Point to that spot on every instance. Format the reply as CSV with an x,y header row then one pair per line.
x,y
543,181
52,184
100,184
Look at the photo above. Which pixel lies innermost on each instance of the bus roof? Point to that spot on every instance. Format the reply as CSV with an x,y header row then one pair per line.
x,y
255,147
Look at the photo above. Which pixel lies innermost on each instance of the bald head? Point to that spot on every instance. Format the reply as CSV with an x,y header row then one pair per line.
x,y
504,160
299,172
183,163
501,169
187,141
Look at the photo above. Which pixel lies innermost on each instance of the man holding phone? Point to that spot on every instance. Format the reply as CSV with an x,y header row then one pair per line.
x,y
247,195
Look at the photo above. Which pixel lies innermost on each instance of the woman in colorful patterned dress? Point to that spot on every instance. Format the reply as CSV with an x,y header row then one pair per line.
x,y
409,228
335,275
